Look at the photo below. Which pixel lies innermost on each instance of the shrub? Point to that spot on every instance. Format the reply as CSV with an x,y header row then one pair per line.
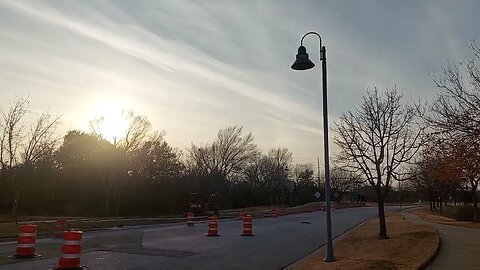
x,y
460,213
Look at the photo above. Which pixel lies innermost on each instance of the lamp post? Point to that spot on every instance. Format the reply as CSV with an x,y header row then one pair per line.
x,y
303,63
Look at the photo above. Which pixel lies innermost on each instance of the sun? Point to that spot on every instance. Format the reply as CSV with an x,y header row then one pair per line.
x,y
109,119
114,126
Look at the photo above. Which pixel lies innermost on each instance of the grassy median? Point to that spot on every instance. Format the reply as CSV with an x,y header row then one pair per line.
x,y
410,246
428,216
11,229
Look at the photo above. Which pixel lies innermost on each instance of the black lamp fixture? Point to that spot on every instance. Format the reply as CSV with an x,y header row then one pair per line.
x,y
302,62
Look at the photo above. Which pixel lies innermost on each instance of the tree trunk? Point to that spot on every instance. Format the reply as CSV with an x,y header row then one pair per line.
x,y
107,204
15,204
119,200
476,210
16,195
109,188
440,203
381,218
108,196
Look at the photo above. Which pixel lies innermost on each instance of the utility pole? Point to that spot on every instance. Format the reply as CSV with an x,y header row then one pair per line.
x,y
318,173
283,185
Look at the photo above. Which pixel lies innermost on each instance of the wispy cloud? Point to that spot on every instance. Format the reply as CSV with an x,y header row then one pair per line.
x,y
194,67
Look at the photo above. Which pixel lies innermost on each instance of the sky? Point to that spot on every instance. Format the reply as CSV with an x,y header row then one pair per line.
x,y
195,67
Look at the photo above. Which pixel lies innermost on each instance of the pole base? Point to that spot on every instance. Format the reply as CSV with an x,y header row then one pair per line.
x,y
329,259
247,234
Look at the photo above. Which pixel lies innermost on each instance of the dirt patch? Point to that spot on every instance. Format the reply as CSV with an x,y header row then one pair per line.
x,y
380,265
408,247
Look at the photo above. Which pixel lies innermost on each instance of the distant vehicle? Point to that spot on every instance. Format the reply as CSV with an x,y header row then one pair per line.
x,y
201,204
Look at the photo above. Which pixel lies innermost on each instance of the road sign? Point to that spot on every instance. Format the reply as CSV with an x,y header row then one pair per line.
x,y
317,194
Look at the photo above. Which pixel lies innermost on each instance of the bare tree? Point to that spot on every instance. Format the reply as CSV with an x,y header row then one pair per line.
x,y
126,145
228,154
343,180
23,144
377,139
305,182
456,109
303,174
456,115
275,166
269,171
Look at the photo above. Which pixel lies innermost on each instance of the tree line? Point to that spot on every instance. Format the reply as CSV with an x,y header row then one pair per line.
x,y
448,167
138,172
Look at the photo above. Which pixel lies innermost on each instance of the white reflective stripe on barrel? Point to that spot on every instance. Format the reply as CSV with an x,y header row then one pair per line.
x,y
27,234
71,243
70,256
25,245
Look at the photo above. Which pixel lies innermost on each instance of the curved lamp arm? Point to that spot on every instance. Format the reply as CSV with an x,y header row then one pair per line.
x,y
322,49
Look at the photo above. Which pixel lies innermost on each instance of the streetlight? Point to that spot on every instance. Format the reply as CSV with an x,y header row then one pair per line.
x,y
303,63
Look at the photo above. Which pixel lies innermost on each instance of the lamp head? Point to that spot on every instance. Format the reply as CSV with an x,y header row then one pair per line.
x,y
302,62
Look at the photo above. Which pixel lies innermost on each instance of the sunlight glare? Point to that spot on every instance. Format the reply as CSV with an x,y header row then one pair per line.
x,y
112,119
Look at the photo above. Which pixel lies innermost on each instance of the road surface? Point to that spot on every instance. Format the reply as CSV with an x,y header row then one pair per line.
x,y
278,242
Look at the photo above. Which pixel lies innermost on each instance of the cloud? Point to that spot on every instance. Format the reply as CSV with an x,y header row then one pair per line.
x,y
184,61
194,67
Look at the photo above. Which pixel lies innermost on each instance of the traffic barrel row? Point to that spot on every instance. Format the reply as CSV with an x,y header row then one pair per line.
x,y
70,250
274,213
213,226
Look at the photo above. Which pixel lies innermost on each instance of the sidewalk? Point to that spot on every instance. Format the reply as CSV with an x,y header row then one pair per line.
x,y
459,248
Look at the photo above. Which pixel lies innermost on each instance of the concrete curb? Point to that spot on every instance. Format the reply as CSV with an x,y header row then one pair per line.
x,y
434,255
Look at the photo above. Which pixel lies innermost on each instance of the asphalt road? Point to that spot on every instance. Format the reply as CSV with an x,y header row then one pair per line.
x,y
277,243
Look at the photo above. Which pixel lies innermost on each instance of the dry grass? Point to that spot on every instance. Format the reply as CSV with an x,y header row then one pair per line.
x,y
410,245
427,215
8,230
12,229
